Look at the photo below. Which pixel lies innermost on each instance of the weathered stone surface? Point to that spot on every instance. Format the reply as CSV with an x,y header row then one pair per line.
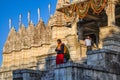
x,y
27,74
74,71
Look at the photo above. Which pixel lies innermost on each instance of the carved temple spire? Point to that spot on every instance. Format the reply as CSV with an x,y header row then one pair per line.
x,y
30,33
60,3
39,31
41,26
58,18
22,29
11,33
9,45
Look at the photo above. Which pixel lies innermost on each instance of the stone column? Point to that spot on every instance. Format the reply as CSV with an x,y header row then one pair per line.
x,y
110,11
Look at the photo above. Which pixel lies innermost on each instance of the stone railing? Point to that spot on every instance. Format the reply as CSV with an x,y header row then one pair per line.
x,y
75,71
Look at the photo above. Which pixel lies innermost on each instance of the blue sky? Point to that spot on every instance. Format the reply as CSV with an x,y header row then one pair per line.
x,y
12,9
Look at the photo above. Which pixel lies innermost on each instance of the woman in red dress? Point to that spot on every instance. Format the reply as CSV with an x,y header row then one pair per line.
x,y
60,52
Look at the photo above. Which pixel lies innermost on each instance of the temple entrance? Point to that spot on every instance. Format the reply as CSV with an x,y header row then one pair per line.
x,y
88,30
91,25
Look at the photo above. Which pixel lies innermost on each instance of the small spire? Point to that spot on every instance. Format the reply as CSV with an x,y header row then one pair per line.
x,y
49,6
29,17
31,22
38,14
51,16
13,27
41,20
20,20
10,23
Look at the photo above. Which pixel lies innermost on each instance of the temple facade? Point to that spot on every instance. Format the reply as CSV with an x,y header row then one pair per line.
x,y
34,47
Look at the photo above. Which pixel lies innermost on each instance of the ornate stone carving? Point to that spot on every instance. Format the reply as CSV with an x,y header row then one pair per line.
x,y
39,33
23,37
11,40
31,33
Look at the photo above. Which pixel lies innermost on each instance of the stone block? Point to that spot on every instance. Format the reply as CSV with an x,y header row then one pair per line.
x,y
96,58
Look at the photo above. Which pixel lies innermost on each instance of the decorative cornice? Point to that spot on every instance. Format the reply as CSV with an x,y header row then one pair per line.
x,y
27,48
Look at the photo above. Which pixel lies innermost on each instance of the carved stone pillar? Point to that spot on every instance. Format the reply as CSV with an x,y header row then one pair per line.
x,y
110,11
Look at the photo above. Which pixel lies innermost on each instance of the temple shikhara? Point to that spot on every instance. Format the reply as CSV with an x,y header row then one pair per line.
x,y
29,53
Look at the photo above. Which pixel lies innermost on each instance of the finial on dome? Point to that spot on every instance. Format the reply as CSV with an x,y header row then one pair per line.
x,y
49,7
20,20
29,17
10,23
38,14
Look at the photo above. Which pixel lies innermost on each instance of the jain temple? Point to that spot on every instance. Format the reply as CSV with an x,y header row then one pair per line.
x,y
29,53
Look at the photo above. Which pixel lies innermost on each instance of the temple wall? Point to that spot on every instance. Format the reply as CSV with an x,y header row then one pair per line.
x,y
7,75
25,56
23,59
61,32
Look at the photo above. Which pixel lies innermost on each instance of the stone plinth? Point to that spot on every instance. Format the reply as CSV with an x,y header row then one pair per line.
x,y
112,42
104,58
97,57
